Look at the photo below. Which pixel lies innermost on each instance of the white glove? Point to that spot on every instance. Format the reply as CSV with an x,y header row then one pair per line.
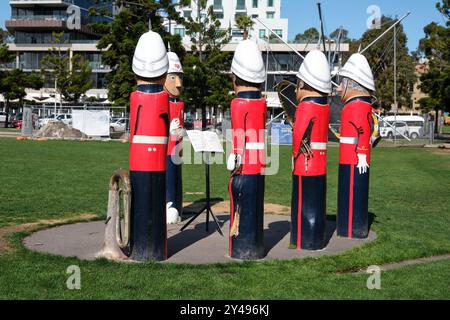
x,y
175,127
362,163
172,214
234,161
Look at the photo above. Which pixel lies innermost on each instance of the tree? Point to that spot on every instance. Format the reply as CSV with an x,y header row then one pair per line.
x,y
435,48
310,35
245,23
120,38
444,8
206,66
343,35
381,59
5,55
14,82
72,75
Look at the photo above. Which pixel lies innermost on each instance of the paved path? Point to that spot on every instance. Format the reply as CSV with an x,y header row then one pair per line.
x,y
192,246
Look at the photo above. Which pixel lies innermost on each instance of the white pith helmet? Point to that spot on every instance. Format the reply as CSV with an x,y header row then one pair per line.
x,y
174,63
248,63
150,57
357,68
315,71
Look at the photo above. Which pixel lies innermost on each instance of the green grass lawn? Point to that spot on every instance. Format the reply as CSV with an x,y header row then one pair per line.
x,y
54,179
446,129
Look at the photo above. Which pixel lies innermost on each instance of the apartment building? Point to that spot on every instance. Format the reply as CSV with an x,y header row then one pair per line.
x,y
32,24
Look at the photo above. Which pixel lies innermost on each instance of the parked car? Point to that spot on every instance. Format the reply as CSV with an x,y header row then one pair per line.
x,y
2,116
66,118
119,125
415,124
17,121
43,121
401,128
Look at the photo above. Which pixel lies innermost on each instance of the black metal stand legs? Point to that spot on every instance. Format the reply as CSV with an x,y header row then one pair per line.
x,y
207,207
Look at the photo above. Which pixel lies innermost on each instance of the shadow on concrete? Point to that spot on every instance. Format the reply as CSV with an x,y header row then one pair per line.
x,y
275,232
188,237
278,230
331,221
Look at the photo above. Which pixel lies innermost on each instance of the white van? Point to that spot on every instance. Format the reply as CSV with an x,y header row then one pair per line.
x,y
415,126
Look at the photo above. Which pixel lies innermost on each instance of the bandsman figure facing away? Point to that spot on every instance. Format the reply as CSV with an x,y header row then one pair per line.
x,y
248,118
149,125
356,88
174,184
309,152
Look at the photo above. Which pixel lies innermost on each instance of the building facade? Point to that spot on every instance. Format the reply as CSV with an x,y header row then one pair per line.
x,y
33,22
268,11
32,25
281,62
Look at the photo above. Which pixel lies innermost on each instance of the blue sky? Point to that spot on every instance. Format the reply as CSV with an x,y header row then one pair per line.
x,y
351,14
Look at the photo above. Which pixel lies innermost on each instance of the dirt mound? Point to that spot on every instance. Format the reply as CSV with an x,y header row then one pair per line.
x,y
58,129
125,136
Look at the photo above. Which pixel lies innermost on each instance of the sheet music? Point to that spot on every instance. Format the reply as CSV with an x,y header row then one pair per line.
x,y
205,141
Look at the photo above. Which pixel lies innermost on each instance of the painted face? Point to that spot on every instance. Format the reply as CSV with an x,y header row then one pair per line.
x,y
174,84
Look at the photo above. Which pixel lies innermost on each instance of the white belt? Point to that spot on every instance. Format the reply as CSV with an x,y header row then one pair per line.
x,y
319,145
348,140
255,146
150,140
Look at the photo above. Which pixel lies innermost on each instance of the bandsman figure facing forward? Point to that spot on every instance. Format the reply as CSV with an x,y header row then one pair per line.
x,y
309,152
174,183
356,88
248,119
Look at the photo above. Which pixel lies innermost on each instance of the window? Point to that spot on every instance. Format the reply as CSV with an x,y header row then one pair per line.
x,y
270,15
262,33
240,5
180,31
278,32
254,16
255,3
186,13
270,3
217,4
219,15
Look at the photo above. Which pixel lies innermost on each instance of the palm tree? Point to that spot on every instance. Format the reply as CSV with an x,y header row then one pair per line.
x,y
245,23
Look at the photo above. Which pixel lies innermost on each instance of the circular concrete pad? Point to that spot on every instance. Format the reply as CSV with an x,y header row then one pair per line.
x,y
193,246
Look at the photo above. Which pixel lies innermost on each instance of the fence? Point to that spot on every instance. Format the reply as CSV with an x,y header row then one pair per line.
x,y
116,113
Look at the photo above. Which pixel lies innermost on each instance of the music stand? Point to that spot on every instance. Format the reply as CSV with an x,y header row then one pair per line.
x,y
201,141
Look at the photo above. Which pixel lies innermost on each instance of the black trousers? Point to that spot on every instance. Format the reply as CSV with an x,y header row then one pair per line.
x,y
353,202
309,216
148,216
174,185
247,199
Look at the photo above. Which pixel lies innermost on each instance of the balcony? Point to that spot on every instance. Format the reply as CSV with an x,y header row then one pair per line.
x,y
22,23
18,3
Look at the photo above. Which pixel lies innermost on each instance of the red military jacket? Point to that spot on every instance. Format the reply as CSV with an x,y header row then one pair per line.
x,y
149,125
356,130
175,111
316,110
248,120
